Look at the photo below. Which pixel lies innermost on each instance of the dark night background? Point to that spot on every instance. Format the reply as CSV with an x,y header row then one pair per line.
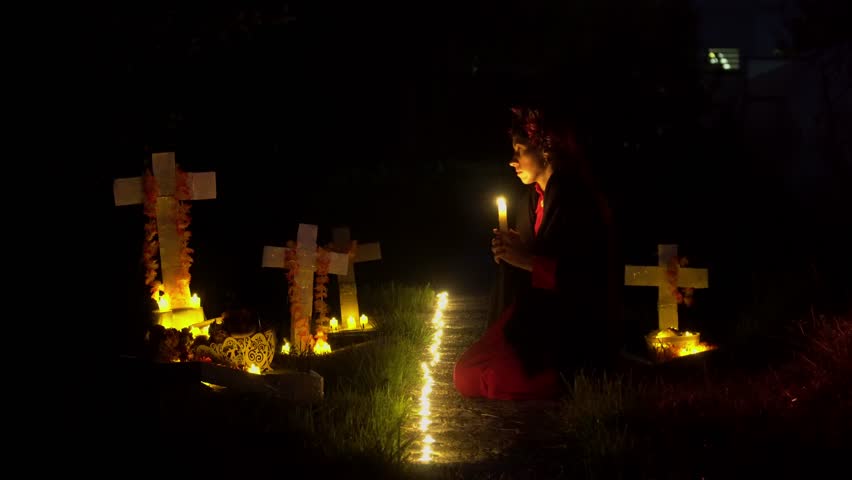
x,y
392,120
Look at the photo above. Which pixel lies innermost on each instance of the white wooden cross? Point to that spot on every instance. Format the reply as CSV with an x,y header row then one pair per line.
x,y
306,256
131,191
346,283
656,277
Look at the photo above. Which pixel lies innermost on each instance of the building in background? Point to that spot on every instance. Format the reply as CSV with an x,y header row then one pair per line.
x,y
793,111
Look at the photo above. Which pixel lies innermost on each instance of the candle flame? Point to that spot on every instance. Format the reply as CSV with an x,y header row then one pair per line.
x,y
321,347
350,322
195,301
333,324
199,331
670,343
442,303
285,349
364,321
692,349
162,298
501,214
164,303
254,369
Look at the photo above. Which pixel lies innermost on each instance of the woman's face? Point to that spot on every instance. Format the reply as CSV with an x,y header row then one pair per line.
x,y
528,164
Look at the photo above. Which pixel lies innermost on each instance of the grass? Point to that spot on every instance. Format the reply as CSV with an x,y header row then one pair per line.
x,y
722,419
368,388
398,309
595,415
368,399
782,419
369,394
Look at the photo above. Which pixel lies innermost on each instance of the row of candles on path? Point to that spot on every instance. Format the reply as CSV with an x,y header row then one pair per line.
x,y
434,357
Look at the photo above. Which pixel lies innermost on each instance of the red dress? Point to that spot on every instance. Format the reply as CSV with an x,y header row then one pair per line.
x,y
490,368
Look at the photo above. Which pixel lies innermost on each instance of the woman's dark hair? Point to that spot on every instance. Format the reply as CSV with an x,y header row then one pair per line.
x,y
551,134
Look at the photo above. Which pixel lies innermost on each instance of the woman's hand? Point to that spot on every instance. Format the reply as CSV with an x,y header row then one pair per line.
x,y
507,246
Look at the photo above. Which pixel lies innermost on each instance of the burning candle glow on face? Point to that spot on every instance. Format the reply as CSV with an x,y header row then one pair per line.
x,y
501,214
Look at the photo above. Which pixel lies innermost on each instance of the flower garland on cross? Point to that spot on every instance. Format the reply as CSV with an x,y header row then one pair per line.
x,y
300,323
321,293
151,244
298,316
682,295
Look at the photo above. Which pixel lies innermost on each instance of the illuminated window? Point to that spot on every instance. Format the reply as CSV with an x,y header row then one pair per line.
x,y
724,58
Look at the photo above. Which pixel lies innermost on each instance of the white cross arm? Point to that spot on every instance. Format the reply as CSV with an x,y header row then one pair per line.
x,y
338,263
643,276
275,257
129,191
655,276
202,185
368,252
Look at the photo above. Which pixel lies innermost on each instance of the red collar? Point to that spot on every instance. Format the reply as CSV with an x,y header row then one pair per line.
x,y
539,208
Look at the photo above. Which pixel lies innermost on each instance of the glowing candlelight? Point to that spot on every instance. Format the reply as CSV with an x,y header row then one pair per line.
x,y
321,347
428,381
501,214
333,324
195,302
285,349
363,321
163,302
254,369
199,330
350,322
443,301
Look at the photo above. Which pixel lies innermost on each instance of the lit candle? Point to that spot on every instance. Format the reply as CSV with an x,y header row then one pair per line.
x,y
501,214
363,321
164,303
333,324
321,347
195,301
350,322
198,330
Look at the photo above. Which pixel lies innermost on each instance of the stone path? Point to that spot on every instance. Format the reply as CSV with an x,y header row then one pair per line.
x,y
477,438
